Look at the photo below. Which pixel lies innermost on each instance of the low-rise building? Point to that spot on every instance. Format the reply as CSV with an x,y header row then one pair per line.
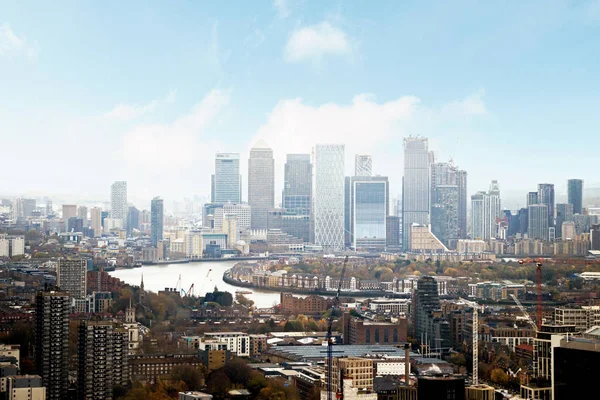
x,y
238,342
147,368
361,331
25,387
309,305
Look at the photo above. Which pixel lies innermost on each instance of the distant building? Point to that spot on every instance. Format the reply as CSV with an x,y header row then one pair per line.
x,y
358,372
297,186
133,220
214,359
156,220
52,342
430,329
360,331
68,211
564,213
96,220
546,196
575,195
392,233
415,186
226,182
71,276
366,211
537,221
486,211
363,165
147,368
25,387
118,200
194,396
11,246
238,342
575,371
595,237
261,184
532,198
310,305
328,210
423,240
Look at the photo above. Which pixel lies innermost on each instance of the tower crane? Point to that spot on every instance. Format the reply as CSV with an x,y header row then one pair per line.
x,y
525,313
538,279
329,338
476,309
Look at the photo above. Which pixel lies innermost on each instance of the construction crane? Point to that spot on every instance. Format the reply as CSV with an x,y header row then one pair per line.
x,y
538,284
178,285
476,308
210,269
525,313
329,338
189,293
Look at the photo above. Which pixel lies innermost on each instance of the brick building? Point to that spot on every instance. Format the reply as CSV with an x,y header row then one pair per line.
x,y
359,331
307,305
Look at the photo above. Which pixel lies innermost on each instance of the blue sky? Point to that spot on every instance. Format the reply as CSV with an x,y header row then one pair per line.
x,y
93,92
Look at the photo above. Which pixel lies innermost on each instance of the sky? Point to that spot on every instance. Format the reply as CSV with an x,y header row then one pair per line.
x,y
148,91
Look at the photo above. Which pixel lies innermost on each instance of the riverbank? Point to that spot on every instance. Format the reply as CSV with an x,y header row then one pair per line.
x,y
370,293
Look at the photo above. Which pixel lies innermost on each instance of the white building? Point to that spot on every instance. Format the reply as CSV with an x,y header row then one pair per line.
x,y
329,196
112,223
118,200
193,244
237,342
11,246
390,306
363,165
243,213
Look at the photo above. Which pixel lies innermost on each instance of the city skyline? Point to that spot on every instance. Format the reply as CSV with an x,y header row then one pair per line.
x,y
231,87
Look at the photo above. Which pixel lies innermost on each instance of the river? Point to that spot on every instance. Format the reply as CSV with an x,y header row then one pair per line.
x,y
204,275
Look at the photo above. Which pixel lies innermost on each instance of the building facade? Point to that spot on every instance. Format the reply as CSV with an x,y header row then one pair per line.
x,y
297,185
52,342
575,195
118,200
363,165
415,186
366,211
537,222
71,276
226,182
564,213
328,211
361,331
261,184
546,196
156,220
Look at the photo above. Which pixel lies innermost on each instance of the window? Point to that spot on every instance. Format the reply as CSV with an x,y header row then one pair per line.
x,y
368,335
376,335
395,335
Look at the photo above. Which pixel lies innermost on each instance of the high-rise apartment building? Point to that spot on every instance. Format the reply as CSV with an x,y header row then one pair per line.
x,y
415,186
444,215
71,276
261,184
328,211
82,212
495,207
429,329
537,222
363,165
564,213
366,211
68,211
96,220
297,184
486,211
226,182
118,200
546,196
575,195
52,342
24,207
102,351
461,182
156,220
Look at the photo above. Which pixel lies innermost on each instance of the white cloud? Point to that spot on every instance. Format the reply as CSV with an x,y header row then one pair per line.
x,y
11,43
282,7
315,42
128,112
365,125
160,147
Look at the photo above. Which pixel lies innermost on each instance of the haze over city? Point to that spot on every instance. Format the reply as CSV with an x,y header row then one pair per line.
x,y
148,92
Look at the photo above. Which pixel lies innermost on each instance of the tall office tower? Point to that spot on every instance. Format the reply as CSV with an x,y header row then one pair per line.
x,y
415,186
297,185
261,184
480,223
537,221
118,200
366,210
102,359
595,237
156,220
532,198
49,210
392,233
575,195
96,220
546,196
75,224
82,212
363,165
461,182
564,213
495,208
24,207
523,216
133,219
52,342
428,329
328,210
71,276
227,183
68,211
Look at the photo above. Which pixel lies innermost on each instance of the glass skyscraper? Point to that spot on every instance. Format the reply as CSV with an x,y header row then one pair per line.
x,y
363,165
537,221
575,194
226,182
297,185
546,196
367,207
156,220
564,213
261,184
415,186
328,211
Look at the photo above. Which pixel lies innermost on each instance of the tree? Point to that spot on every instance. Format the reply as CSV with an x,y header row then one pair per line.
x,y
458,359
243,300
238,371
190,376
499,376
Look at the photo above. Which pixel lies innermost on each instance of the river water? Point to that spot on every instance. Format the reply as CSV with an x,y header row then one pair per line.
x,y
204,275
